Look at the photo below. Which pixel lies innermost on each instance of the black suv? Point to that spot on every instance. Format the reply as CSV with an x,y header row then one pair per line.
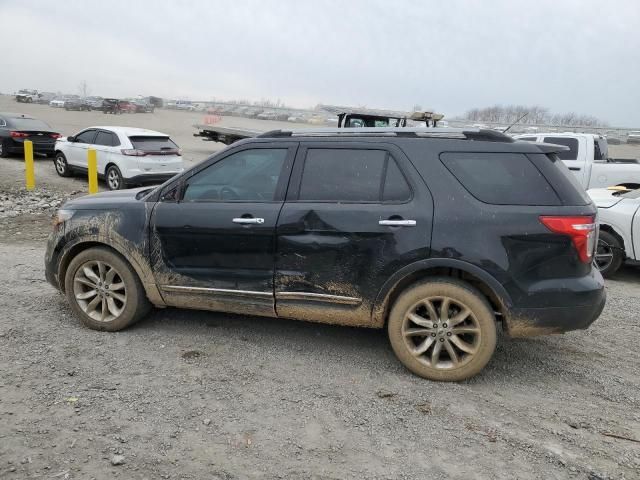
x,y
437,235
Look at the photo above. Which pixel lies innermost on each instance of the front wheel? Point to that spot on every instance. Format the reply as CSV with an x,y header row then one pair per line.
x,y
104,291
609,254
114,178
442,329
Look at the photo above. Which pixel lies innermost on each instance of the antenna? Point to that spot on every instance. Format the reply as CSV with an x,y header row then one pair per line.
x,y
507,129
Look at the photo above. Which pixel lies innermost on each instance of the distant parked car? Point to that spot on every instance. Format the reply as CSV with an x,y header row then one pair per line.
x,y
142,107
185,105
45,97
95,103
27,96
58,102
78,104
267,116
633,137
15,128
111,105
126,156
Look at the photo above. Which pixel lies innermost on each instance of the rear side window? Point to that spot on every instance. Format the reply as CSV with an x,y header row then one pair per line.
x,y
500,178
351,175
564,182
107,139
152,143
572,143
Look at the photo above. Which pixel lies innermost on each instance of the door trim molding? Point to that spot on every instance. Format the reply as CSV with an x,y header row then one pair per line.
x,y
318,297
244,293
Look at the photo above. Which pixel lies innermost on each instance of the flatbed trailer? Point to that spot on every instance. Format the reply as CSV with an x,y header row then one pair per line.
x,y
226,135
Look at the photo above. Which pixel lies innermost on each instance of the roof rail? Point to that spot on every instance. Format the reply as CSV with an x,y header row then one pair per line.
x,y
465,133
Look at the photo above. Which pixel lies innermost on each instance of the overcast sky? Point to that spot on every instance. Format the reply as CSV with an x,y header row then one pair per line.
x,y
580,56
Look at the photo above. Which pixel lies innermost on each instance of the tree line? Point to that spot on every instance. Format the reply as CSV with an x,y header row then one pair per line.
x,y
534,115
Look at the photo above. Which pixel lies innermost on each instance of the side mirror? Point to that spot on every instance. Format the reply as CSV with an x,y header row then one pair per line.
x,y
71,138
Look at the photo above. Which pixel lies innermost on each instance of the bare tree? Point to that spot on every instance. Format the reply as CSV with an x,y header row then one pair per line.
x,y
84,89
535,114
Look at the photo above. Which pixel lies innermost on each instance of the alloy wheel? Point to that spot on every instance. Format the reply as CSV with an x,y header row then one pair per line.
x,y
441,332
604,255
100,291
61,166
113,179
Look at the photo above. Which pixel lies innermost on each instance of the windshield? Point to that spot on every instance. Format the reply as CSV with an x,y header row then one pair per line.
x,y
28,124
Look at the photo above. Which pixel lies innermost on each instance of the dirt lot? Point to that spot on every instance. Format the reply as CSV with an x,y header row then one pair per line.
x,y
192,395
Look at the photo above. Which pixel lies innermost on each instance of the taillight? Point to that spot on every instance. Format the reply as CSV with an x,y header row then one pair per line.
x,y
18,134
55,135
133,152
582,231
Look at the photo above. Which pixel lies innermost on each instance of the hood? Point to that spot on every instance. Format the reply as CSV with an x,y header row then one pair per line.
x,y
105,200
603,197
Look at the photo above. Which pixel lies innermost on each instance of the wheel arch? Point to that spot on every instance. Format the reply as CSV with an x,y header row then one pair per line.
x,y
606,227
143,272
495,293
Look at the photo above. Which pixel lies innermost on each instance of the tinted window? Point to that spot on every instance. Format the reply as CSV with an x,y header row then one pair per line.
x,y
342,175
250,175
395,187
572,143
152,143
501,178
562,180
86,137
105,138
28,124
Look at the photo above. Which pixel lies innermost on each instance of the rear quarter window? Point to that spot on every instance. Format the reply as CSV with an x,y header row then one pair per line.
x,y
500,178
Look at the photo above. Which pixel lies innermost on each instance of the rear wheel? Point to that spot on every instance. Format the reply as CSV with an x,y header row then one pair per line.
x,y
4,148
443,329
62,168
609,254
104,291
114,178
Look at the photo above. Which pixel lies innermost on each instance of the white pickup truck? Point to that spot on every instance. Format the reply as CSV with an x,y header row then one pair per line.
x,y
588,158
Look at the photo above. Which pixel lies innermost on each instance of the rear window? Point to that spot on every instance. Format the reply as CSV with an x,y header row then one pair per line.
x,y
153,144
500,178
28,124
572,143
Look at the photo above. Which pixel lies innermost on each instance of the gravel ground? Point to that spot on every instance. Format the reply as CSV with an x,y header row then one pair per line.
x,y
192,395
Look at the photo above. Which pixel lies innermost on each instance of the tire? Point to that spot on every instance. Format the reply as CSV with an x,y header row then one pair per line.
x,y
116,308
29,100
610,254
114,178
61,166
4,149
415,344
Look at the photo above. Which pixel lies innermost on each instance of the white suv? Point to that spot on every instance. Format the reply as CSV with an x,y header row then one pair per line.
x,y
126,156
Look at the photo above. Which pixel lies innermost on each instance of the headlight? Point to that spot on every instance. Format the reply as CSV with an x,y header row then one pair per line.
x,y
62,216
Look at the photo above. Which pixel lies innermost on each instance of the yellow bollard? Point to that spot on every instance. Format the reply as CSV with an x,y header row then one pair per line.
x,y
92,164
29,173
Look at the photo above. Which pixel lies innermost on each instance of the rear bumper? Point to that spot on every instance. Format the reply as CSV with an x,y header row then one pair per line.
x,y
530,321
16,147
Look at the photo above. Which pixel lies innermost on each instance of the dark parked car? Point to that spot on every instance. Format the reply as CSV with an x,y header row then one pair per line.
x,y
78,104
437,235
15,128
111,105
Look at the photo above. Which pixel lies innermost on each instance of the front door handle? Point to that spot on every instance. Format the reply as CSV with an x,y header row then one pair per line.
x,y
575,169
249,221
397,223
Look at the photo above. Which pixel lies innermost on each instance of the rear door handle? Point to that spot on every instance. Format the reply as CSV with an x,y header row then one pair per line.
x,y
397,223
249,221
575,169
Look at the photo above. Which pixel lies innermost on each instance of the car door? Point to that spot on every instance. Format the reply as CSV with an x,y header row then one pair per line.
x,y
104,146
575,158
355,213
76,151
213,234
